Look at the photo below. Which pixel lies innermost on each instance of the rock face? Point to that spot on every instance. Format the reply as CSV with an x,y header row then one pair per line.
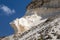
x,y
49,8
44,3
41,22
48,29
25,23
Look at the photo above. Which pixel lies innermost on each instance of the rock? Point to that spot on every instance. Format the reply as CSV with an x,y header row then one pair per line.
x,y
42,20
44,3
44,8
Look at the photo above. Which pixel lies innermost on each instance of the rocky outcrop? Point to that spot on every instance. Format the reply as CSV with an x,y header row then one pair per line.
x,y
41,22
44,3
48,9
46,29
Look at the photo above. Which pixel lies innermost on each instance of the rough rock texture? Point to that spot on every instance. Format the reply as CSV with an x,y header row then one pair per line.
x,y
47,9
44,3
46,30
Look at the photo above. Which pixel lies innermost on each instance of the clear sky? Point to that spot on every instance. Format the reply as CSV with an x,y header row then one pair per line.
x,y
10,10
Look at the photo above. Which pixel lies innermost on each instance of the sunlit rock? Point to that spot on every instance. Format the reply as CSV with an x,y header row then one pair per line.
x,y
41,22
23,24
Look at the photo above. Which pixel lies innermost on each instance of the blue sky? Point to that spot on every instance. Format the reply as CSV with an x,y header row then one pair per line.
x,y
10,10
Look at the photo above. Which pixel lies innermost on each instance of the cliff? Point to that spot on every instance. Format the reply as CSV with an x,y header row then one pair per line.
x,y
41,22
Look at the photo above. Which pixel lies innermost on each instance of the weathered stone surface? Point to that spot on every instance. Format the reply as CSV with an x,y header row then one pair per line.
x,y
44,8
44,12
49,29
44,3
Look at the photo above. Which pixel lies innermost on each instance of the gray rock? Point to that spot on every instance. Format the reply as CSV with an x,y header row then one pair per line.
x,y
44,3
44,8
